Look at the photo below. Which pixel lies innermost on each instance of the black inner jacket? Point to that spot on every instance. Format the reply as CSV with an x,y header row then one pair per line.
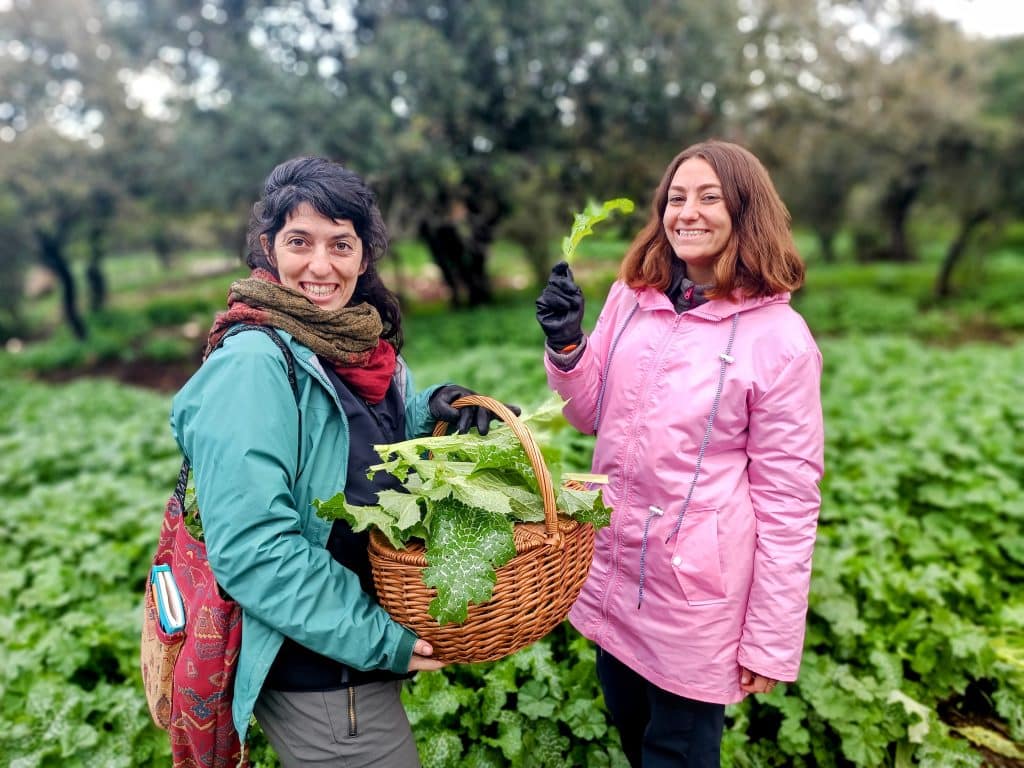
x,y
296,667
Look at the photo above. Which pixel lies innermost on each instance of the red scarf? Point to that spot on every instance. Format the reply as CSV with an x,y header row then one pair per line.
x,y
371,380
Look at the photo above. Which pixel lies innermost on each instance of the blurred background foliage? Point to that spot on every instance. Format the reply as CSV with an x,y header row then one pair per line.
x,y
145,128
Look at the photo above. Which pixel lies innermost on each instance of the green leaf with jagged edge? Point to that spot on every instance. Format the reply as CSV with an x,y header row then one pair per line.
x,y
535,701
586,718
482,495
405,508
538,661
483,756
583,223
510,736
510,457
441,749
585,506
361,517
545,744
465,547
498,683
525,503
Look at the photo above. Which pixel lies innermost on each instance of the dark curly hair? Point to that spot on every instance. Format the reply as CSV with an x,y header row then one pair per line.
x,y
336,193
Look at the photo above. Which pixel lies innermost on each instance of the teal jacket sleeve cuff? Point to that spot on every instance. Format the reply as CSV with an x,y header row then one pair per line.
x,y
403,653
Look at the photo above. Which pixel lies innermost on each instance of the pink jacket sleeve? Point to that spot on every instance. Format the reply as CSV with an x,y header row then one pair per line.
x,y
786,452
581,385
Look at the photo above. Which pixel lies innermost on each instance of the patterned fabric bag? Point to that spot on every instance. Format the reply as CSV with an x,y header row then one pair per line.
x,y
189,674
192,635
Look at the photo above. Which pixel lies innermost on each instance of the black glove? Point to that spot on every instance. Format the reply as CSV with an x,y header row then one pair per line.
x,y
467,416
560,309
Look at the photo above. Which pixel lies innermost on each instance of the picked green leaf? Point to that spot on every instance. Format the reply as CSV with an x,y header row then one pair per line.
x,y
361,517
583,223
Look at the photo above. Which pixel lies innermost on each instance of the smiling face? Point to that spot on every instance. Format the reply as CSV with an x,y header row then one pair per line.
x,y
697,223
318,256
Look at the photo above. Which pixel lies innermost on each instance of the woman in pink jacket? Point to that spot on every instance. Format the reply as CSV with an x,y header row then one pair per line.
x,y
702,385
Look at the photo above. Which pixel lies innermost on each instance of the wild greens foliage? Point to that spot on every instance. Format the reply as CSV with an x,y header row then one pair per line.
x,y
463,494
539,707
915,632
916,607
84,472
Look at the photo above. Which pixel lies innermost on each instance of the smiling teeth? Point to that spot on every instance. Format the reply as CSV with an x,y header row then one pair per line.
x,y
691,233
319,291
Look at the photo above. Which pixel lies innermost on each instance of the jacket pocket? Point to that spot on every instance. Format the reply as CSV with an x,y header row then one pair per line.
x,y
159,652
696,558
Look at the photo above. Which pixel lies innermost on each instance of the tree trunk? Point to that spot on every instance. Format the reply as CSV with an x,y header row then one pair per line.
x,y
160,241
477,281
899,247
232,237
51,253
943,285
445,248
94,272
462,262
896,206
827,241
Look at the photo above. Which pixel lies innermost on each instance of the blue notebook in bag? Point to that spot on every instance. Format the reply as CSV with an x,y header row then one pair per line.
x,y
168,601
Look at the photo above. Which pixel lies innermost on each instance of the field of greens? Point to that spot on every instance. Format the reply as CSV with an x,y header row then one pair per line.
x,y
915,645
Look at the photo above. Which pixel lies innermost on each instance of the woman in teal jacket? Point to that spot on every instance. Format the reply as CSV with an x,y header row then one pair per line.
x,y
321,663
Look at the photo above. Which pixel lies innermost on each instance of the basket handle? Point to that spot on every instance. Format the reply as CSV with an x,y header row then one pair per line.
x,y
540,469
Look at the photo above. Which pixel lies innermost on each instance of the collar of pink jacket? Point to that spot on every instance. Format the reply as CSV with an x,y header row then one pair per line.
x,y
716,309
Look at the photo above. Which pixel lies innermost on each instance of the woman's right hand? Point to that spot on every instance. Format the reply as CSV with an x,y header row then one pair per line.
x,y
560,309
421,661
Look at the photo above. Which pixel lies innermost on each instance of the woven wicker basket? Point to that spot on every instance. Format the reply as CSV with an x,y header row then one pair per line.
x,y
534,591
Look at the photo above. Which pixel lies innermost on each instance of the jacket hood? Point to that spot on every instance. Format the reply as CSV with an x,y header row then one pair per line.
x,y
716,309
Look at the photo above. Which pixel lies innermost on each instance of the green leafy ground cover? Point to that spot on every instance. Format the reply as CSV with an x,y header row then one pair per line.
x,y
916,630
916,627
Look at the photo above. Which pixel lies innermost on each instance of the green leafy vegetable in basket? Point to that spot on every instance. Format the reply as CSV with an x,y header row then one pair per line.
x,y
463,494
583,223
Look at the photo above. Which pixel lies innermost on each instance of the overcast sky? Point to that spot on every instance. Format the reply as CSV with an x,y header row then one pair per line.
x,y
990,18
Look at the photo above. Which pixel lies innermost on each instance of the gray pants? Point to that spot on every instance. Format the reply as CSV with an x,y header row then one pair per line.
x,y
350,728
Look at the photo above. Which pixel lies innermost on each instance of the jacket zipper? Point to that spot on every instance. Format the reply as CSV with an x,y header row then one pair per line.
x,y
353,729
726,359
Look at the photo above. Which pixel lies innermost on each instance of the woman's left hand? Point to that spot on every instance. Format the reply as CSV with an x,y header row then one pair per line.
x,y
466,417
422,661
751,682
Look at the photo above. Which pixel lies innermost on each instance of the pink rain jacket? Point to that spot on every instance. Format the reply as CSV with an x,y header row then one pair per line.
x,y
730,587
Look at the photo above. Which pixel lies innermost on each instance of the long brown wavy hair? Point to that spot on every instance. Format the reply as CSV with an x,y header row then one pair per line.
x,y
760,258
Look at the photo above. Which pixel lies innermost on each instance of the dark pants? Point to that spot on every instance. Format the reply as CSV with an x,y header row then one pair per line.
x,y
658,728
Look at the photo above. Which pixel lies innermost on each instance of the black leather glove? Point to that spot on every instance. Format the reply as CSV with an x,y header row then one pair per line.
x,y
465,417
560,309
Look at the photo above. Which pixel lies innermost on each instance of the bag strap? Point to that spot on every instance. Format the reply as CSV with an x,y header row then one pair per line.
x,y
289,359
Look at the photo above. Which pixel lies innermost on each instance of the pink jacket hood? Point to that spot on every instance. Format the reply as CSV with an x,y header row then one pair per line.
x,y
725,574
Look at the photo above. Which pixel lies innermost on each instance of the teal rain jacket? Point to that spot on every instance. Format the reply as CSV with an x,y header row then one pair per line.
x,y
237,420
